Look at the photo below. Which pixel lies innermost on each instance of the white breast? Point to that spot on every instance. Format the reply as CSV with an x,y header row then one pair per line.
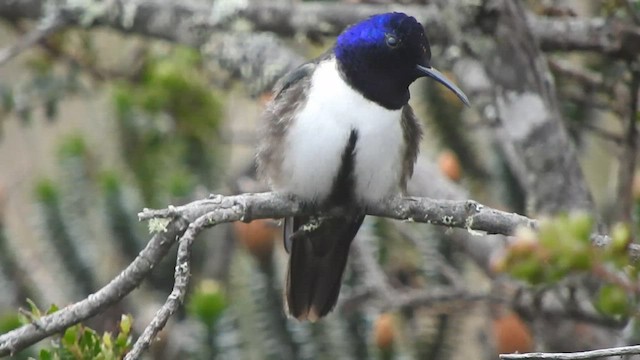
x,y
318,137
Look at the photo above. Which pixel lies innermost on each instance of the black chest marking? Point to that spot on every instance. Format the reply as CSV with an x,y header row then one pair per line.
x,y
343,188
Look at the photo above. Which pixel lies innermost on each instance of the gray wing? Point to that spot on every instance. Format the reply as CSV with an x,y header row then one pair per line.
x,y
412,134
289,95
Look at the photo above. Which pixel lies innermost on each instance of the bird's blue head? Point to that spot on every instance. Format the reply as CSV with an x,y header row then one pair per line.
x,y
382,55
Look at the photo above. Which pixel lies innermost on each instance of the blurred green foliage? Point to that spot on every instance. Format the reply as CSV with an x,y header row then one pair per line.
x,y
73,146
207,302
169,121
563,247
614,300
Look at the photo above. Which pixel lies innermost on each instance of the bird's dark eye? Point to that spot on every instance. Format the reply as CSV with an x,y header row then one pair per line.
x,y
392,41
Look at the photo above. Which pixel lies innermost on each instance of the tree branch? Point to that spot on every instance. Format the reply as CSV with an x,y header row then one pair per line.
x,y
469,214
609,37
193,22
176,298
587,78
627,166
593,354
45,28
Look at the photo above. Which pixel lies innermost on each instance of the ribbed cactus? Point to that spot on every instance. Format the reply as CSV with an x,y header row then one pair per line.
x,y
20,284
252,328
274,321
120,220
57,233
423,249
77,200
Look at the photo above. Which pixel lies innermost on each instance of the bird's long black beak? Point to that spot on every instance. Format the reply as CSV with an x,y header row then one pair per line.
x,y
439,77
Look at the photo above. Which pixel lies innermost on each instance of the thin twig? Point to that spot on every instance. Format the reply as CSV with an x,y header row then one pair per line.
x,y
176,298
598,131
585,77
593,354
549,310
630,151
44,29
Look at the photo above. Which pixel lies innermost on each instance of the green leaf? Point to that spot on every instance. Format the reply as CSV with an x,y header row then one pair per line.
x,y
45,355
52,308
70,336
620,237
530,270
581,225
125,324
33,308
582,261
80,342
107,341
613,300
122,341
90,341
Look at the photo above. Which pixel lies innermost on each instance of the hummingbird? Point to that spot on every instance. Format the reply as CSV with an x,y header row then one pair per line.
x,y
339,133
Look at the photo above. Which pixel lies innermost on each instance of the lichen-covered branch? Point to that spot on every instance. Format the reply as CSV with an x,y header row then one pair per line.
x,y
180,286
468,214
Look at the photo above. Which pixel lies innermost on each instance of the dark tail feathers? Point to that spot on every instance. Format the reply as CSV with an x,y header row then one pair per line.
x,y
319,249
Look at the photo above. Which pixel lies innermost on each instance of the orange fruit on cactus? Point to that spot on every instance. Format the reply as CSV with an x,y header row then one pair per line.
x,y
257,236
384,331
450,165
511,334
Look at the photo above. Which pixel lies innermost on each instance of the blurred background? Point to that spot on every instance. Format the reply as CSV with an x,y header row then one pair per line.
x,y
98,122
